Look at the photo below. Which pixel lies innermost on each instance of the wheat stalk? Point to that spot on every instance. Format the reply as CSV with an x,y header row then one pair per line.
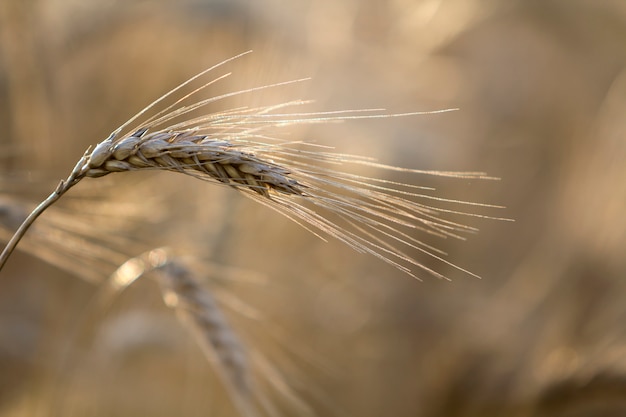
x,y
371,215
83,235
62,242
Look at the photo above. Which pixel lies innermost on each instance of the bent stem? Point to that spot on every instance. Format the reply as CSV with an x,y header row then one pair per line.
x,y
77,174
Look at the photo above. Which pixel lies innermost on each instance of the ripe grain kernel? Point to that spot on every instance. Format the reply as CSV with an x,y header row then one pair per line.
x,y
114,165
100,154
126,147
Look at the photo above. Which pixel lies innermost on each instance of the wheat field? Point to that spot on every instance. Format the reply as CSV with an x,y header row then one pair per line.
x,y
154,293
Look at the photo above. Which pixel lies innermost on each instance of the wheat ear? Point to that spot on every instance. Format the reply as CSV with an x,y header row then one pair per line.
x,y
201,314
199,311
372,215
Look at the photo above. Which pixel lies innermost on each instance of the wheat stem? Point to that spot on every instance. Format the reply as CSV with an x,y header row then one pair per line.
x,y
75,176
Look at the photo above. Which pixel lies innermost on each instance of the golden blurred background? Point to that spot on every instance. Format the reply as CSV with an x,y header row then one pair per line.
x,y
541,87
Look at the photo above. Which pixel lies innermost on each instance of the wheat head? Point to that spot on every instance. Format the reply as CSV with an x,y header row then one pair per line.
x,y
310,186
200,310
